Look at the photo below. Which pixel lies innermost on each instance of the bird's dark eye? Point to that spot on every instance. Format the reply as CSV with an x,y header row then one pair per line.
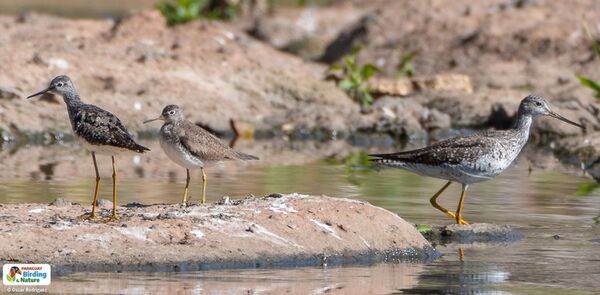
x,y
537,103
172,113
59,84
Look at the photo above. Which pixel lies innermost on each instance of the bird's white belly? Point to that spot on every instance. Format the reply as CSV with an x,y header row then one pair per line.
x,y
455,173
107,150
179,155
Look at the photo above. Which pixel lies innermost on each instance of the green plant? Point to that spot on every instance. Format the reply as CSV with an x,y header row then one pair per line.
x,y
585,81
405,67
587,188
182,11
423,228
353,77
589,83
358,160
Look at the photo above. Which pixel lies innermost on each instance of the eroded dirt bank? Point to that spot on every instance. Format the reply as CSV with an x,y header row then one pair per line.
x,y
277,230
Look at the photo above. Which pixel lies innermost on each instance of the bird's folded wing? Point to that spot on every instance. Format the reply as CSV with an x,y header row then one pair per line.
x,y
205,145
444,152
100,127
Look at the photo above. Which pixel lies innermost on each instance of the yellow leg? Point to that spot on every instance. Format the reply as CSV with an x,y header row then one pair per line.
x,y
461,254
459,219
93,215
434,203
204,183
187,185
114,191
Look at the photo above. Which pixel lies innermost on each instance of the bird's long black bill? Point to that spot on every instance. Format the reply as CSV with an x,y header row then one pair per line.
x,y
557,116
39,93
152,120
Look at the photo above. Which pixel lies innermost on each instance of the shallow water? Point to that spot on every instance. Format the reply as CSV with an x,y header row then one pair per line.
x,y
559,252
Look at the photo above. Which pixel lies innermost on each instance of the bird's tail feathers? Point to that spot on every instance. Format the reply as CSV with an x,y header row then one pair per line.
x,y
140,148
245,157
386,160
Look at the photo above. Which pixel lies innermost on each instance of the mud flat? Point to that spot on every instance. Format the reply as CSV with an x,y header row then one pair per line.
x,y
271,231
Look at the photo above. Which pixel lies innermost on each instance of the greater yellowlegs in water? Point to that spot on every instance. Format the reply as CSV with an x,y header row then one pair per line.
x,y
191,147
471,159
96,129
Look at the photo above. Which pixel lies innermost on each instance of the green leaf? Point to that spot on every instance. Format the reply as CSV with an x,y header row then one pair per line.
x,y
405,66
365,98
368,71
356,50
335,67
590,84
423,228
596,47
350,63
346,84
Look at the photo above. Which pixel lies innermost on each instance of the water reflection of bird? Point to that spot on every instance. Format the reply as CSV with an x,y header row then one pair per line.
x,y
191,147
96,129
474,158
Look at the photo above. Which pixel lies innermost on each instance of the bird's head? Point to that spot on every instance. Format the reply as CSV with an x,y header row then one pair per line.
x,y
15,270
170,114
536,106
60,85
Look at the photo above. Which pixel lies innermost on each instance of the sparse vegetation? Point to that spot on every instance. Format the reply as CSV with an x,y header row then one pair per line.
x,y
588,82
353,77
423,228
358,160
406,68
587,188
182,11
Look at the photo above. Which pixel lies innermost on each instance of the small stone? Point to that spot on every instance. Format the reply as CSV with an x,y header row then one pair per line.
x,y
275,196
150,216
103,203
476,232
61,202
134,205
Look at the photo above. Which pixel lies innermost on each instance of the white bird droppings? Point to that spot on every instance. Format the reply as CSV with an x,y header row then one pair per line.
x,y
197,233
328,229
140,233
137,106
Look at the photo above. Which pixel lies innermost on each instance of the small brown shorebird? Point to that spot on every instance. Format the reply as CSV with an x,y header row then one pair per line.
x,y
191,147
96,129
471,159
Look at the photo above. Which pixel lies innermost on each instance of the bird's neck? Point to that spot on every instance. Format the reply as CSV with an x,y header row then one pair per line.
x,y
71,99
522,125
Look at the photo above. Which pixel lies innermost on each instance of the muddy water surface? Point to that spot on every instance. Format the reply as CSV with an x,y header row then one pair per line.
x,y
553,210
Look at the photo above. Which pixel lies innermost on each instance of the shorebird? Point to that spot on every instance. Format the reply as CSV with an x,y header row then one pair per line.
x,y
191,147
474,158
97,130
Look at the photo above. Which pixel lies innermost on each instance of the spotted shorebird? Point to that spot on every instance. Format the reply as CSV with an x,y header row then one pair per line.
x,y
471,159
96,129
191,147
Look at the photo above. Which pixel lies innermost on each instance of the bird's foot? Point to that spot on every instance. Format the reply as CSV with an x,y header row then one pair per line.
x,y
458,220
462,221
113,218
88,217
